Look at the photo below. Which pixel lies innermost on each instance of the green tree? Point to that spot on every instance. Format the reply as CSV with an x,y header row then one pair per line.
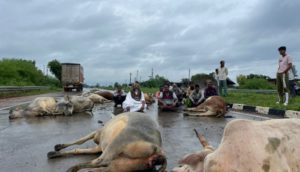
x,y
157,81
201,79
55,68
185,81
241,79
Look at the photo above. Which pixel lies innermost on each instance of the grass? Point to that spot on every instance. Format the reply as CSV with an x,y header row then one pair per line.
x,y
28,93
265,100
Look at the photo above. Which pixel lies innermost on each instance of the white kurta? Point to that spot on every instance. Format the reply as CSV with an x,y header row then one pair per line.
x,y
133,104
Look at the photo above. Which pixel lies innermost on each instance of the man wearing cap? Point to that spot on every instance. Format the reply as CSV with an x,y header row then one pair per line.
x,y
282,78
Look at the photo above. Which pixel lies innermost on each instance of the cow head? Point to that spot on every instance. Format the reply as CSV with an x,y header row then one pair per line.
x,y
16,113
64,107
195,162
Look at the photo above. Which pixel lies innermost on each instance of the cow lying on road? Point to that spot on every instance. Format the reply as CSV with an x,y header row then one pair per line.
x,y
106,94
265,146
212,106
42,106
129,142
95,97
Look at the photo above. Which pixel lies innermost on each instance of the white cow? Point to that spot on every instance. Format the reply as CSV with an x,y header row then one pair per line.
x,y
250,146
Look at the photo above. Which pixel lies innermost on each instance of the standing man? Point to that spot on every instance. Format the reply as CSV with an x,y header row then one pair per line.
x,y
223,73
282,79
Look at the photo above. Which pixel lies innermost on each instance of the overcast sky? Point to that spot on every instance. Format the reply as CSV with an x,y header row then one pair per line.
x,y
112,38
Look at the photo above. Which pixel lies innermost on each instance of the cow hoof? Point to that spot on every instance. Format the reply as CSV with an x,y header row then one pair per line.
x,y
58,147
53,154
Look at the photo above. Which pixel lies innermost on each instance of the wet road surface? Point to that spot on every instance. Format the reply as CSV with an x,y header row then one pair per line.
x,y
24,143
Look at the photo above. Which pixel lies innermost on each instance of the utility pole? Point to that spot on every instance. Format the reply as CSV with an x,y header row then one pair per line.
x,y
130,78
189,74
137,75
152,73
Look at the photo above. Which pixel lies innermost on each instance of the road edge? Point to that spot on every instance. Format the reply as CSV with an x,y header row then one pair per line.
x,y
265,110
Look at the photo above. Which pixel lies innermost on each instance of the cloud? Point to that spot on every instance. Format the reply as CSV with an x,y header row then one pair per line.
x,y
112,38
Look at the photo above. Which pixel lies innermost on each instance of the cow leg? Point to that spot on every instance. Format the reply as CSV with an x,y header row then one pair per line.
x,y
207,113
196,110
94,150
94,164
77,142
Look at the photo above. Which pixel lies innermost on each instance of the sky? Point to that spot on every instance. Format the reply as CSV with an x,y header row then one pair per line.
x,y
113,38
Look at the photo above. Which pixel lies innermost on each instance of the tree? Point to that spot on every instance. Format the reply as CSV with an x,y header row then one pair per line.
x,y
241,79
55,68
157,81
201,79
185,81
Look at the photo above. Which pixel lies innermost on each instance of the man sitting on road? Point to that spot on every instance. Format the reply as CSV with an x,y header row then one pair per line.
x,y
210,89
178,93
167,98
197,96
135,100
119,96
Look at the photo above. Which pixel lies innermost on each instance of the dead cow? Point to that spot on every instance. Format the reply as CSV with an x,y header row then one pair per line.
x,y
106,94
80,103
42,106
265,146
212,106
95,98
129,142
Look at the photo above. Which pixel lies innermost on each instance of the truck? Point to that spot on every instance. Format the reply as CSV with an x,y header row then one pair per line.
x,y
72,76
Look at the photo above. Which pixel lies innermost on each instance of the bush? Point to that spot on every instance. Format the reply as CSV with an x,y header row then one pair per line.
x,y
256,83
19,72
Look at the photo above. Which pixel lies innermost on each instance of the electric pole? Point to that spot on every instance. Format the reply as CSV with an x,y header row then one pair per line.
x,y
189,74
130,78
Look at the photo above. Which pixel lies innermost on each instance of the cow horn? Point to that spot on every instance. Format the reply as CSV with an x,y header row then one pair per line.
x,y
202,139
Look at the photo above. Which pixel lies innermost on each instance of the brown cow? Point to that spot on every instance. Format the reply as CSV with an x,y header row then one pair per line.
x,y
106,94
129,142
96,98
212,106
256,146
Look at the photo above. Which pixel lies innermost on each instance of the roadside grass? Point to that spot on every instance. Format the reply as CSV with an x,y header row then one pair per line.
x,y
259,99
29,93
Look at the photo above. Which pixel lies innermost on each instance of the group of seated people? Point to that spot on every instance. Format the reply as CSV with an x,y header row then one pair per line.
x,y
169,97
195,96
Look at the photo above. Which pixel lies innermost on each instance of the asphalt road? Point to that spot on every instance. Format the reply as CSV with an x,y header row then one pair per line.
x,y
24,143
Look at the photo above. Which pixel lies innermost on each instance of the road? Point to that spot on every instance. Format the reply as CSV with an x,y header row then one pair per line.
x,y
24,143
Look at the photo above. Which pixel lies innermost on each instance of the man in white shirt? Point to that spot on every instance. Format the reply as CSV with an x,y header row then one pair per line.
x,y
222,76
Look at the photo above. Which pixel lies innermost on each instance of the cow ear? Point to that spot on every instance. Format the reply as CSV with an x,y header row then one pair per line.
x,y
193,159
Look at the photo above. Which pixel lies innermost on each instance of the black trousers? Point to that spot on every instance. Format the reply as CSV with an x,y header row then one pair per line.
x,y
119,100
